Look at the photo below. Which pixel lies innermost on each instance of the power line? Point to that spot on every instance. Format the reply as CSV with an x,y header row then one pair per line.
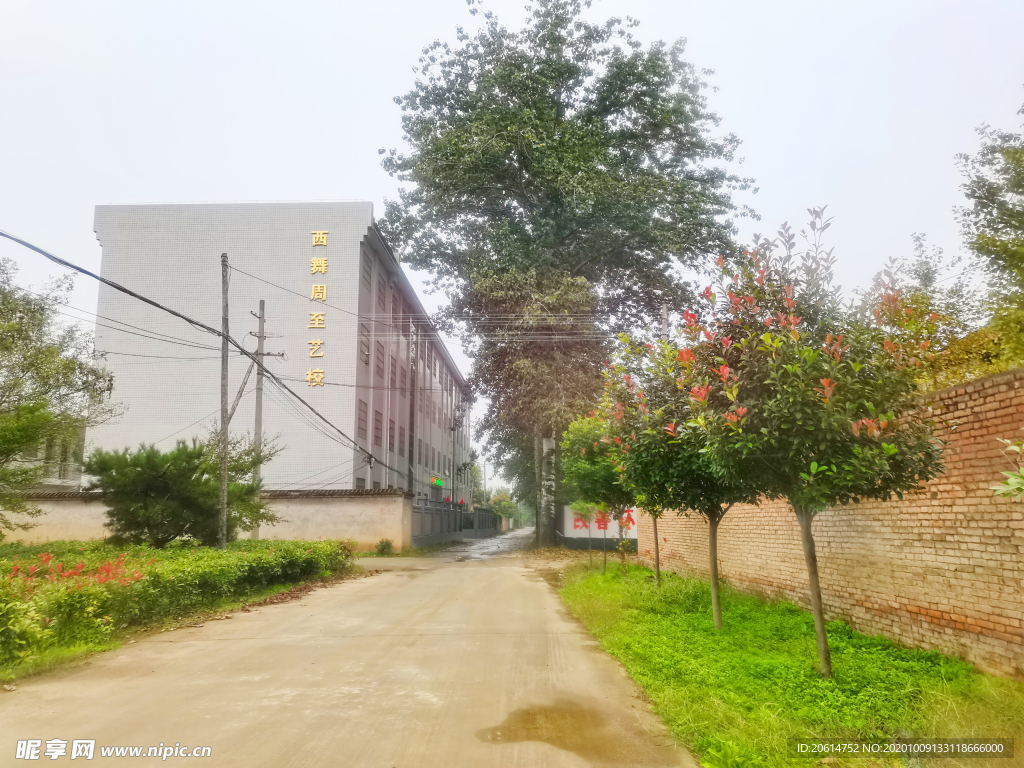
x,y
155,334
201,326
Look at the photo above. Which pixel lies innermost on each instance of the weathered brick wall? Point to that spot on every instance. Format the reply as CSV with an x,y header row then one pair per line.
x,y
942,569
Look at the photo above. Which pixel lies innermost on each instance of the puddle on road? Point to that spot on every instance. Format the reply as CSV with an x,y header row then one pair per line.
x,y
577,729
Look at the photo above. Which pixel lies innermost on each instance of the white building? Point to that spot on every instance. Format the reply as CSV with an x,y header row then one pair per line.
x,y
356,341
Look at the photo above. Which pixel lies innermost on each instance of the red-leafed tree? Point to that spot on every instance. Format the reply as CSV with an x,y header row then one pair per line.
x,y
793,394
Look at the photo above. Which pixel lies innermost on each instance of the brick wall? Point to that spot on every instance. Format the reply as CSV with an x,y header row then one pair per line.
x,y
942,569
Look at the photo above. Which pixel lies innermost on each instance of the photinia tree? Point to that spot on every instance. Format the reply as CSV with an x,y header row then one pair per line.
x,y
802,397
666,456
591,461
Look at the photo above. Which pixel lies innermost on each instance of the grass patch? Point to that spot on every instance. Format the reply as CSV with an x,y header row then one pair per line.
x,y
752,688
63,600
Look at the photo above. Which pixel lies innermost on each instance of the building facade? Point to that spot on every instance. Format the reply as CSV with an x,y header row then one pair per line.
x,y
347,331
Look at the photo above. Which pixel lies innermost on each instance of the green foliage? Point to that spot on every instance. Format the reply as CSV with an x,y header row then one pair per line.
x,y
558,175
591,458
104,588
22,428
50,388
1013,486
563,148
502,504
922,302
385,547
799,395
729,755
746,691
156,497
993,228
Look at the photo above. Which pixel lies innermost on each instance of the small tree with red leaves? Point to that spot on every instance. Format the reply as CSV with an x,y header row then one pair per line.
x,y
800,396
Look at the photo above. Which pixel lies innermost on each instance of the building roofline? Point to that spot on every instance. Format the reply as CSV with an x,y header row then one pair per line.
x,y
376,238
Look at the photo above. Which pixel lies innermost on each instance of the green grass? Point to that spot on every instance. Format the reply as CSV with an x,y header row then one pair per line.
x,y
62,600
753,687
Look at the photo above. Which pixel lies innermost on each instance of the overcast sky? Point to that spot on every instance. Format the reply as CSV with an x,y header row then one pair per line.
x,y
858,105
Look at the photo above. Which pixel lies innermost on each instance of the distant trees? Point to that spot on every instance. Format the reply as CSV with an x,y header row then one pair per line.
x,y
558,176
51,388
156,496
993,227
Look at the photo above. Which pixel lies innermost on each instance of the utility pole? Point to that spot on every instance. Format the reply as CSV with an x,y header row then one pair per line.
x,y
222,527
258,439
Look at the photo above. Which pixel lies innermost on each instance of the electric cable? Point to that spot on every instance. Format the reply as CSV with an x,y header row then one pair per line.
x,y
201,326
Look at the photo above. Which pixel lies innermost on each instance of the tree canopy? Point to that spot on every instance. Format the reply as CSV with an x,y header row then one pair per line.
x,y
558,177
51,387
802,396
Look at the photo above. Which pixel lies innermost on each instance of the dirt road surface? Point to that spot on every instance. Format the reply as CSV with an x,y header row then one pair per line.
x,y
463,658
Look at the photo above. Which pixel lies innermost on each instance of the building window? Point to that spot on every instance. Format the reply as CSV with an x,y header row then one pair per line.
x,y
406,317
392,382
401,441
364,344
382,293
380,361
403,380
376,485
396,308
433,366
360,483
378,428
391,435
422,397
419,451
367,271
362,419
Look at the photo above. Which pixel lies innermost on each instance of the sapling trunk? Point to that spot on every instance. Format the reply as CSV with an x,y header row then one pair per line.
x,y
590,551
657,553
604,550
716,601
805,518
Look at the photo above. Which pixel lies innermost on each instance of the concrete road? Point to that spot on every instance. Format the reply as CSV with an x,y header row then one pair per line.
x,y
463,659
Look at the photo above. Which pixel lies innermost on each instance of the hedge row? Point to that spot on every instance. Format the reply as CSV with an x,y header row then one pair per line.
x,y
65,594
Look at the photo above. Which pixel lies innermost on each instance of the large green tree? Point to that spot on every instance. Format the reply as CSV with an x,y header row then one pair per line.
x,y
559,152
51,388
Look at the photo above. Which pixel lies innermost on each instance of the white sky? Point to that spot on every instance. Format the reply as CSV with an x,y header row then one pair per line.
x,y
858,105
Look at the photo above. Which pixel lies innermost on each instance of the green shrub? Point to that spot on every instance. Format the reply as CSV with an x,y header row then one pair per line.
x,y
156,496
45,605
385,547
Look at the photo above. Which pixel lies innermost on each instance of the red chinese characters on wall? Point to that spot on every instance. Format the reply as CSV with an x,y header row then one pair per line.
x,y
627,521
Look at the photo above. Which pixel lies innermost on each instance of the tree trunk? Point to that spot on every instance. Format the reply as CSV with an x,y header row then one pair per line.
x,y
538,459
657,552
590,551
548,485
716,602
805,518
604,549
